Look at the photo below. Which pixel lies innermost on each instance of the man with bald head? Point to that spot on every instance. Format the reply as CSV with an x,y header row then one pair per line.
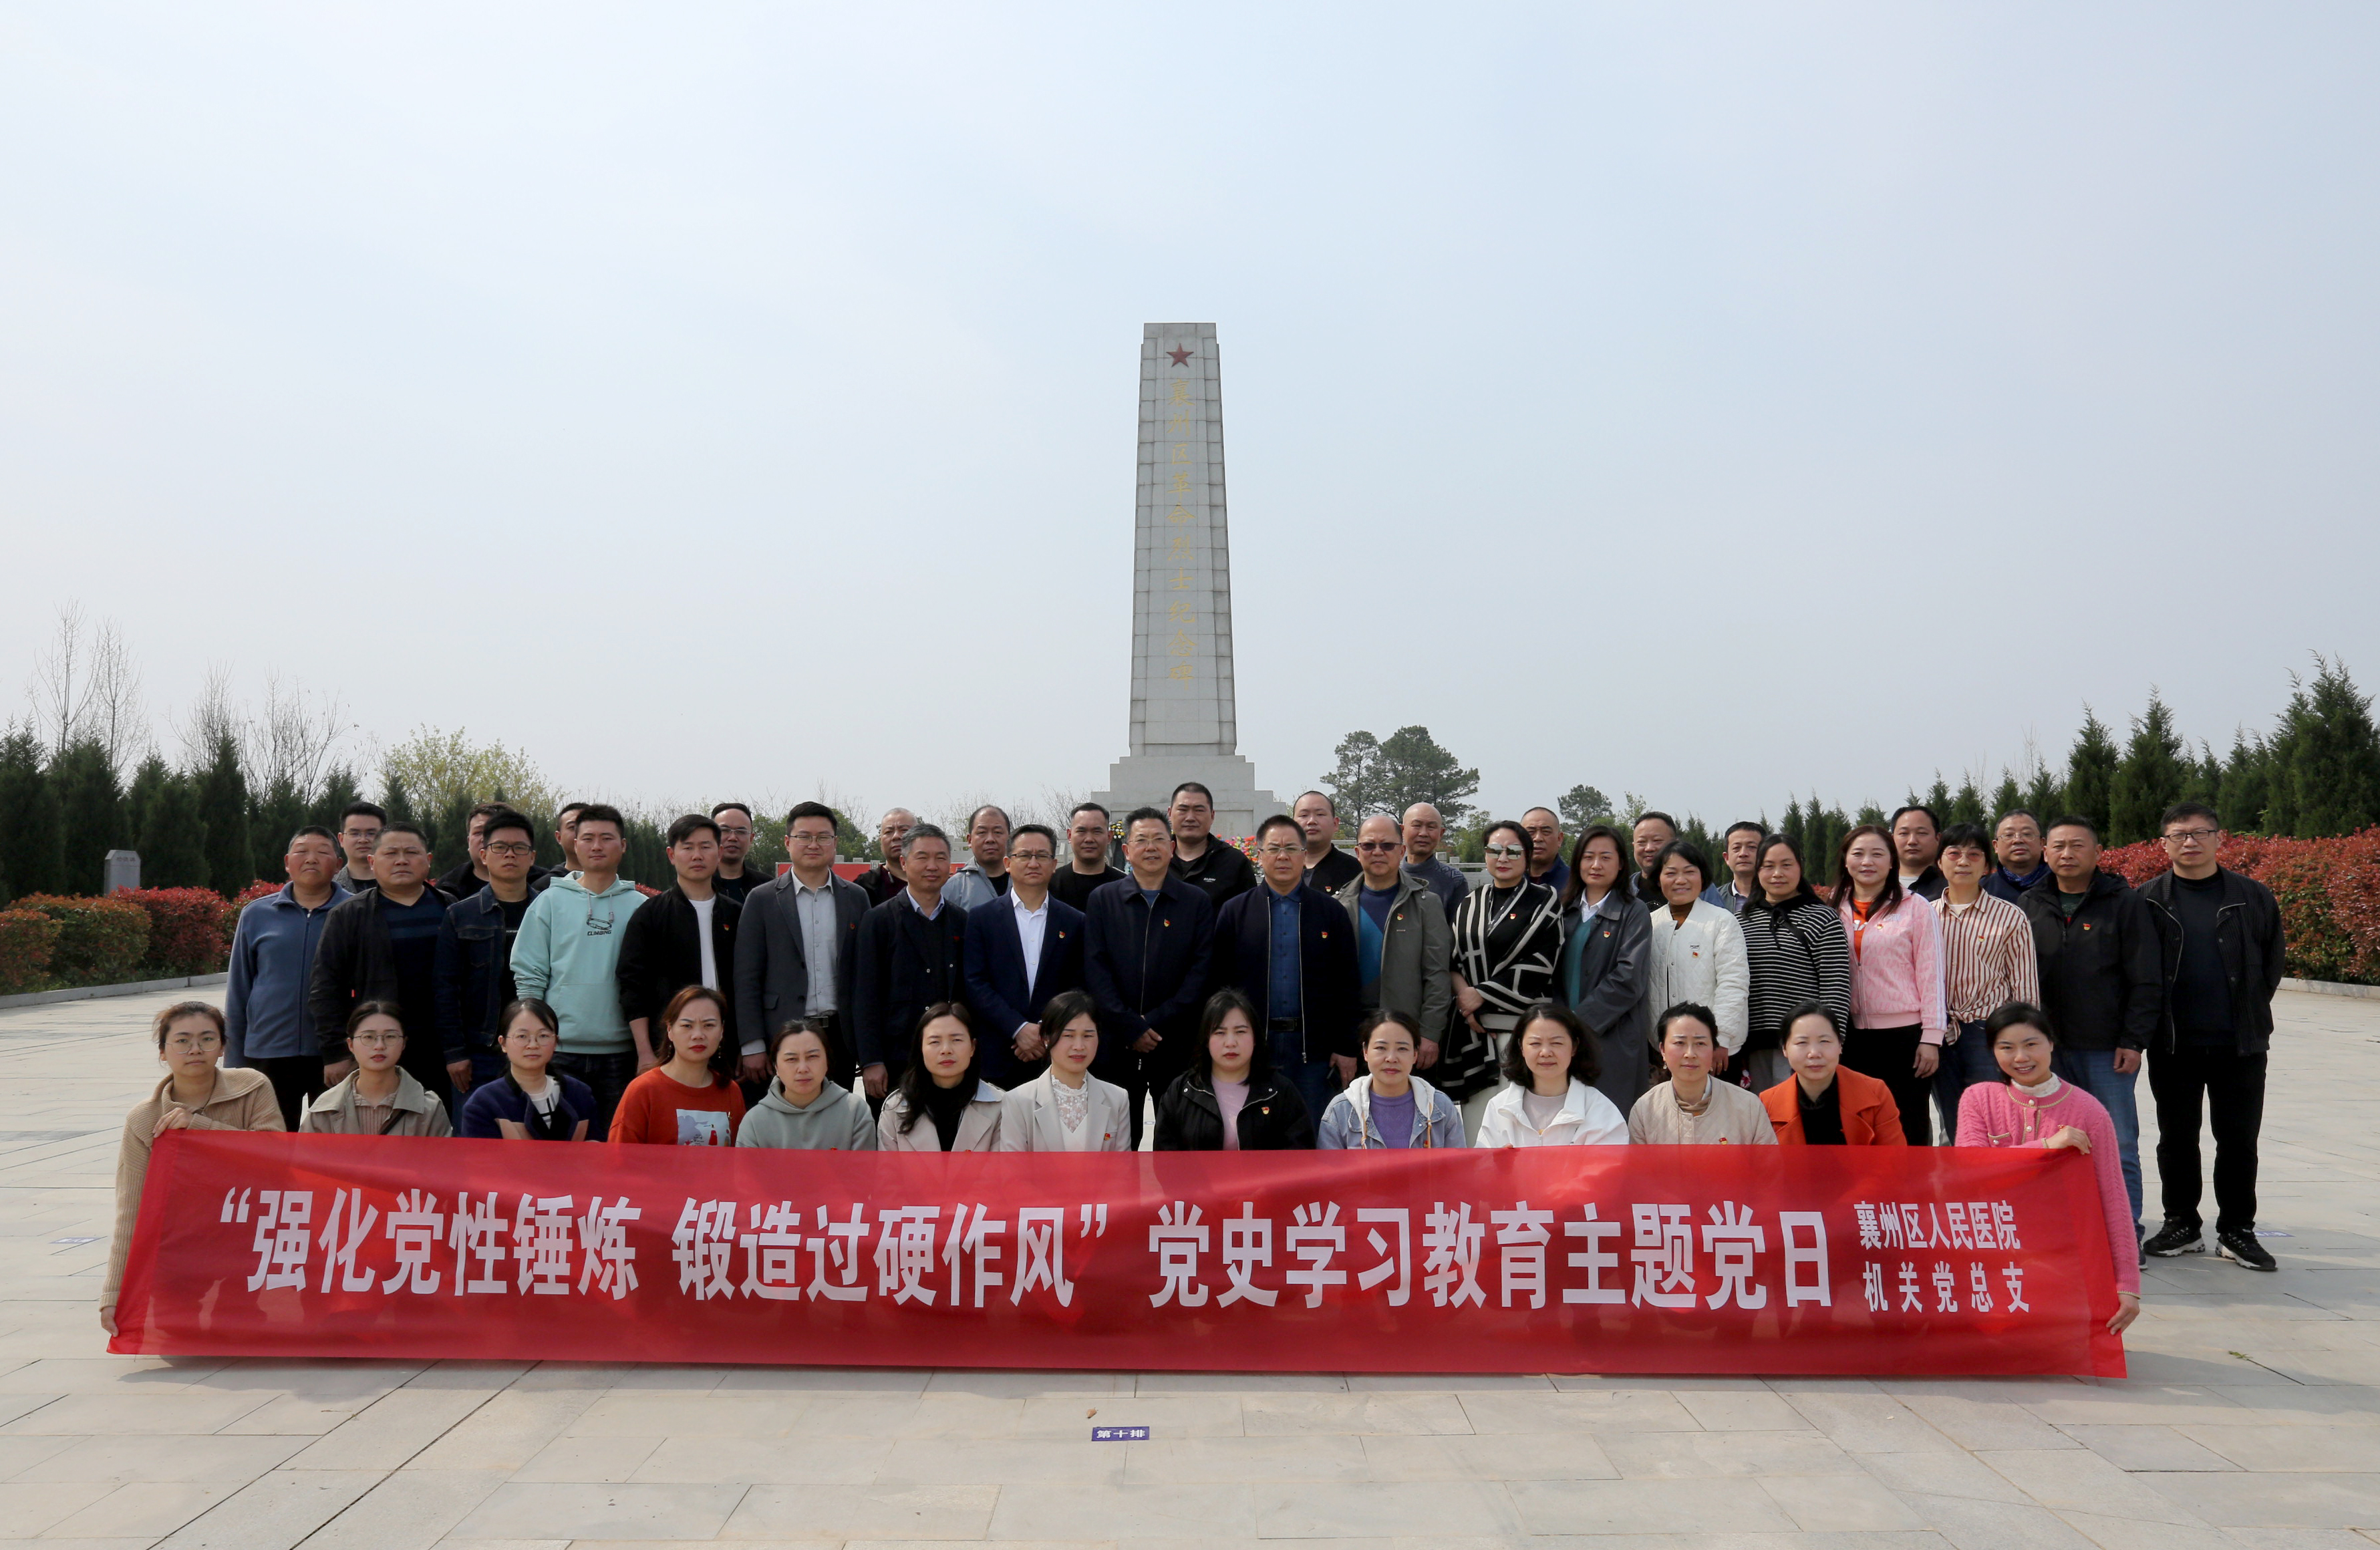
x,y
1546,840
1403,945
885,879
1423,832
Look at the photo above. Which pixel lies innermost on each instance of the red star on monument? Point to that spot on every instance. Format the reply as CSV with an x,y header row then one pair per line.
x,y
1179,356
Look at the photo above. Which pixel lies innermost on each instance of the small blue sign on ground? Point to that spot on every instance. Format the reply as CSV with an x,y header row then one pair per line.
x,y
1119,1434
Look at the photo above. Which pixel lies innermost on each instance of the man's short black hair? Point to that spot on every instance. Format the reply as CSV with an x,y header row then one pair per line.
x,y
743,807
1656,815
2182,810
1142,815
1082,807
1967,836
687,828
602,812
2018,813
1043,829
508,818
1192,785
2074,820
1739,825
372,810
568,808
1326,800
400,826
814,810
1931,815
1282,820
313,831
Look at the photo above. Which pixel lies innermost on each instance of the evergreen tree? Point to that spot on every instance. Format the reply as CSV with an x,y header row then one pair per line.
x,y
272,818
1937,797
1580,806
170,826
1794,827
33,828
2150,778
2007,798
2089,773
1968,806
339,789
222,792
92,808
1358,783
1871,812
2247,785
2047,794
394,800
2333,771
1415,767
2205,779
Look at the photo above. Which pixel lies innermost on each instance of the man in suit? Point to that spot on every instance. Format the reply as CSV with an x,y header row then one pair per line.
x,y
1147,942
1021,949
684,935
912,954
797,953
1288,946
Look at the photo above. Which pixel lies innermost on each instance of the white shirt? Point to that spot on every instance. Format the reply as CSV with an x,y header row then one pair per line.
x,y
1030,926
702,908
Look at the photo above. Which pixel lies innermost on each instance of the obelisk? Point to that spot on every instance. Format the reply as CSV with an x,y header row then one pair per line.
x,y
1185,716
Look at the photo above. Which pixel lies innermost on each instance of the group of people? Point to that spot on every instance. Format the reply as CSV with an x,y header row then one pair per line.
x,y
1038,996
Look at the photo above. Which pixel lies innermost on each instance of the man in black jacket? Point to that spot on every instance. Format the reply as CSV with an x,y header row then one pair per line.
x,y
382,945
912,954
797,958
475,948
1218,870
1288,947
2101,980
1146,943
684,935
2219,940
1917,844
883,882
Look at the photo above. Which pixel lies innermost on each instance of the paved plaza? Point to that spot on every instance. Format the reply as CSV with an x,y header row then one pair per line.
x,y
2253,1416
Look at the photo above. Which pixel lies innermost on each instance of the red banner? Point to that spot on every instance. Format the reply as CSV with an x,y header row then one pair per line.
x,y
1592,1259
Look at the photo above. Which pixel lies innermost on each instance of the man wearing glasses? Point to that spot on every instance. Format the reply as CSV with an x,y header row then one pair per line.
x,y
734,879
1403,942
1021,950
475,948
2220,934
568,955
1218,870
798,950
885,880
1289,947
1148,941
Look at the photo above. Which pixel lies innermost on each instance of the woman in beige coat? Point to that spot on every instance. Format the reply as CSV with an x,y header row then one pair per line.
x,y
380,1097
1066,1108
195,1093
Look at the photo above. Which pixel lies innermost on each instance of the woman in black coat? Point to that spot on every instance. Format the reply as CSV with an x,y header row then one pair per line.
x,y
1231,1073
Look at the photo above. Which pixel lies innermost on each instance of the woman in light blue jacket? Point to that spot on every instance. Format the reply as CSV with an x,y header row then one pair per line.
x,y
1392,1109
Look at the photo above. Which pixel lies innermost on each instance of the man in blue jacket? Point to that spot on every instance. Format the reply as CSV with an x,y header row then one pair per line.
x,y
1288,947
1147,941
265,1023
1021,949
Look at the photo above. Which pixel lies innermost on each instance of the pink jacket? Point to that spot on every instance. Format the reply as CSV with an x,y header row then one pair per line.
x,y
1999,1114
1897,969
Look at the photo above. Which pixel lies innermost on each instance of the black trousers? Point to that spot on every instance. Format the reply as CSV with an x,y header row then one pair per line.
x,y
2233,1088
1890,1056
297,1082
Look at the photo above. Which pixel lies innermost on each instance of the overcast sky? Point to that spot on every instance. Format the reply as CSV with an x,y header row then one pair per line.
x,y
1701,402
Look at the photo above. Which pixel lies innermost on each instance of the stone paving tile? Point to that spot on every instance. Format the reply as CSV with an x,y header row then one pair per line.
x,y
1976,1525
412,1509
1387,1508
29,1508
2147,1448
761,1460
1840,1503
1606,1507
144,1510
1226,1460
2080,1480
2270,1501
1507,1456
521,1510
275,1511
2287,1449
1276,1415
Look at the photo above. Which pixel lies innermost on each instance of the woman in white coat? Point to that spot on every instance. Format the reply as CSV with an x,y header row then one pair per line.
x,y
1698,953
1549,1097
1066,1108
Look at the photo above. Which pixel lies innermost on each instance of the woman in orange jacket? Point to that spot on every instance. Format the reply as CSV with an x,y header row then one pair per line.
x,y
1824,1103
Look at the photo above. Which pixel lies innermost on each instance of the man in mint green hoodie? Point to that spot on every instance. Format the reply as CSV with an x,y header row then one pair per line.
x,y
567,953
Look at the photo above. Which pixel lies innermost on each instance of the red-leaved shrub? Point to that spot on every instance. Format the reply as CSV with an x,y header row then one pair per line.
x,y
100,941
27,940
190,930
2329,890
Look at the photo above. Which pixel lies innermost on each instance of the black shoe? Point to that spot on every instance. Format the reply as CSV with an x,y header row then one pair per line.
x,y
2176,1238
2241,1245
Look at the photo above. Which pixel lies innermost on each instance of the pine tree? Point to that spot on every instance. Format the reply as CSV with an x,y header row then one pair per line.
x,y
1968,806
2045,796
2333,773
2090,774
1937,797
2150,778
221,793
339,789
1794,827
2247,785
2205,782
92,808
272,819
33,829
1581,805
169,826
2007,798
1415,767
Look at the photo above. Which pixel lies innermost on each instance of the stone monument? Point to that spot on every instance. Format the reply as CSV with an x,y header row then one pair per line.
x,y
1184,718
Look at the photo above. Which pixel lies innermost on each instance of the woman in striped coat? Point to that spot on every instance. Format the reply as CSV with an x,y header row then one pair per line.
x,y
1507,938
1796,951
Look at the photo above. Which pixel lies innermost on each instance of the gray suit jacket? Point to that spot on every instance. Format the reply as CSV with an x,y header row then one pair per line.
x,y
772,977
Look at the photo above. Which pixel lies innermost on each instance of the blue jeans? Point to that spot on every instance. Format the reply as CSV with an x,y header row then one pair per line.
x,y
2094,1071
1315,1080
1965,1064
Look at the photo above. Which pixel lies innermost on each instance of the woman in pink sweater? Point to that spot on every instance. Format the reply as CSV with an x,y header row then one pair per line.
x,y
1897,1016
2035,1109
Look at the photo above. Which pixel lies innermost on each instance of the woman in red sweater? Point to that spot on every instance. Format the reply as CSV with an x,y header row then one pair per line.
x,y
684,1101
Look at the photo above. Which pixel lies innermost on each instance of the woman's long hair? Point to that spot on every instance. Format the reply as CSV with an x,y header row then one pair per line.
x,y
918,1079
1576,889
1889,899
1219,1005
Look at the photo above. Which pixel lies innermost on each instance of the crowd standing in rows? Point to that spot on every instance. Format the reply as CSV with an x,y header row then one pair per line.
x,y
1040,997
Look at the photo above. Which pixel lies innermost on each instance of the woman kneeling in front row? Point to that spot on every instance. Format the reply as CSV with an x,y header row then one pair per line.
x,y
1692,1109
804,1111
379,1098
1066,1108
1228,1101
1391,1107
943,1104
528,1102
1824,1103
1549,1097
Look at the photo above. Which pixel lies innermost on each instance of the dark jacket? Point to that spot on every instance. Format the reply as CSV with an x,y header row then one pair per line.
x,y
1075,889
995,981
1334,871
1274,1120
881,886
1998,883
772,976
660,954
1222,874
1930,885
907,963
461,882
354,963
1330,995
2103,972
1147,968
2248,934
475,971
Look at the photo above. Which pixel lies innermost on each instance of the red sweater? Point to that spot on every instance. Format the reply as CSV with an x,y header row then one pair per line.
x,y
659,1110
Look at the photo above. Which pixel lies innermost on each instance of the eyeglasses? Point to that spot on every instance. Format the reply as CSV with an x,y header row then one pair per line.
x,y
1377,846
1520,851
2180,835
1281,850
511,848
377,1040
1016,856
192,1044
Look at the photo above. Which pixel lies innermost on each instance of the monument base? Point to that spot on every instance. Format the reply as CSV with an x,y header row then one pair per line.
x,y
1147,780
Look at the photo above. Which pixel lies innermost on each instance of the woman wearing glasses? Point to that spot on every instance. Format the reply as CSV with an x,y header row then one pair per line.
x,y
1606,945
530,1102
195,1093
1507,940
379,1098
